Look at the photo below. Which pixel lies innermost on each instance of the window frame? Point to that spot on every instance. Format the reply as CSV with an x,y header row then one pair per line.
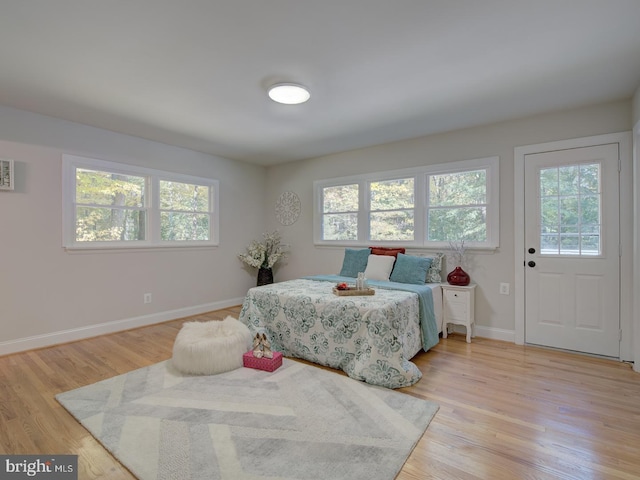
x,y
70,163
421,177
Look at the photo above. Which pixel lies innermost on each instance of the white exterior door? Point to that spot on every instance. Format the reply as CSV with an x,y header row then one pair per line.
x,y
572,249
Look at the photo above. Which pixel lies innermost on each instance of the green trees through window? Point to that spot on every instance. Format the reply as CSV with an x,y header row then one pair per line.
x,y
184,211
109,206
340,206
457,207
422,208
570,210
392,209
119,204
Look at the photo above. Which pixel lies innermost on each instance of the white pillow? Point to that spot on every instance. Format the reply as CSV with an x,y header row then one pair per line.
x,y
379,267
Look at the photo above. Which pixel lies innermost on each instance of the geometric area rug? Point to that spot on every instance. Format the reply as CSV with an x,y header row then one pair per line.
x,y
298,422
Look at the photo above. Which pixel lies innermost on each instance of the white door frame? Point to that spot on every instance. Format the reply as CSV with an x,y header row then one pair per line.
x,y
624,139
636,243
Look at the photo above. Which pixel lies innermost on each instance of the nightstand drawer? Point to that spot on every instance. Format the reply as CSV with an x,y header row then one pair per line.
x,y
457,310
456,304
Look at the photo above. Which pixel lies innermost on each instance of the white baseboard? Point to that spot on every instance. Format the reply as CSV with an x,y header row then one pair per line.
x,y
488,332
71,335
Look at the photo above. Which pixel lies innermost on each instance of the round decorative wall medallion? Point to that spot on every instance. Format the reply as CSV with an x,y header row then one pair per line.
x,y
288,208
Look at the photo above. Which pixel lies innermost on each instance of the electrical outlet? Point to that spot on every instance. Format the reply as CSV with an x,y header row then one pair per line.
x,y
147,298
504,289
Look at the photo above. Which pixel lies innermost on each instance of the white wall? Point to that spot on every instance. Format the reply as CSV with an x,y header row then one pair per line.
x,y
636,215
494,312
48,295
635,107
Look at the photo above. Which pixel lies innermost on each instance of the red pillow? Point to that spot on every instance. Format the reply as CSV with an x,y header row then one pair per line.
x,y
393,251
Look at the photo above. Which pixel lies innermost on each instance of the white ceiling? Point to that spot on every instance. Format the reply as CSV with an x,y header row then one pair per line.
x,y
194,73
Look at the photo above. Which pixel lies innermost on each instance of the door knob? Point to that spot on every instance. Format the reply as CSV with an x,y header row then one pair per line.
x,y
532,250
531,263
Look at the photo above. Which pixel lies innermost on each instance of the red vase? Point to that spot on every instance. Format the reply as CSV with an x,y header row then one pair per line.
x,y
458,277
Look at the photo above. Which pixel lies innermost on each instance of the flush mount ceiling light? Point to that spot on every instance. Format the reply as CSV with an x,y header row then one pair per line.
x,y
289,93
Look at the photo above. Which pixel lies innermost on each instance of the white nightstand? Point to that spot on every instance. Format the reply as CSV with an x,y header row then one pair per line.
x,y
458,304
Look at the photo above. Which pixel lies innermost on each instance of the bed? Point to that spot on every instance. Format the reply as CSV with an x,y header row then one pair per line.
x,y
371,338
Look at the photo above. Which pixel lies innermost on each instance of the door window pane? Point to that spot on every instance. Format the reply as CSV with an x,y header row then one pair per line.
x,y
570,210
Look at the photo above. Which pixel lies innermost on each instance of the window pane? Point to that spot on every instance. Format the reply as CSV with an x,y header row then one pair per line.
x,y
569,211
342,226
573,210
549,243
549,181
464,188
109,224
104,188
550,211
569,241
184,226
394,225
589,179
590,244
392,194
342,198
450,224
184,197
590,209
568,180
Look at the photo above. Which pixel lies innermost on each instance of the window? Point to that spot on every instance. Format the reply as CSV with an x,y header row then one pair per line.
x,y
392,209
109,206
420,207
184,211
114,205
340,206
570,205
457,207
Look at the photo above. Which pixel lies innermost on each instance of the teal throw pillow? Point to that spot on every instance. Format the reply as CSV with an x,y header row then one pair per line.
x,y
410,269
355,261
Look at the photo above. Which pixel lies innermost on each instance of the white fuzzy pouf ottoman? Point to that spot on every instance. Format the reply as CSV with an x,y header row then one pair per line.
x,y
206,348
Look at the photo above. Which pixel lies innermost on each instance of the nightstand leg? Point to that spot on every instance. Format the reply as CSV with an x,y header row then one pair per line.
x,y
468,333
444,330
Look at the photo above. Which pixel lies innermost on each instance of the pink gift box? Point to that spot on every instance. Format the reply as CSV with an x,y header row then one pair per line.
x,y
268,364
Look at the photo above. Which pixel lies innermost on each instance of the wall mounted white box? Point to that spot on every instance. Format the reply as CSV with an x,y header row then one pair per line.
x,y
6,174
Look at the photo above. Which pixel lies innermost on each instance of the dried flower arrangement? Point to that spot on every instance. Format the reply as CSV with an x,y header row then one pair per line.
x,y
264,254
458,251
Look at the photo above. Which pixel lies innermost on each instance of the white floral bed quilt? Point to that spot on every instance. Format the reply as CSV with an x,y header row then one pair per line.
x,y
371,338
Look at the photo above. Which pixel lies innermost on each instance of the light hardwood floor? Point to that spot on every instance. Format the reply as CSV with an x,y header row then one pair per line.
x,y
506,411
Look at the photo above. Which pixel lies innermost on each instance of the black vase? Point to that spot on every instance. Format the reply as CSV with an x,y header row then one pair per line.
x,y
265,276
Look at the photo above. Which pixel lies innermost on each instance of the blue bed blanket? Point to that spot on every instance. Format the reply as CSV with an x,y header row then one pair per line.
x,y
428,324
